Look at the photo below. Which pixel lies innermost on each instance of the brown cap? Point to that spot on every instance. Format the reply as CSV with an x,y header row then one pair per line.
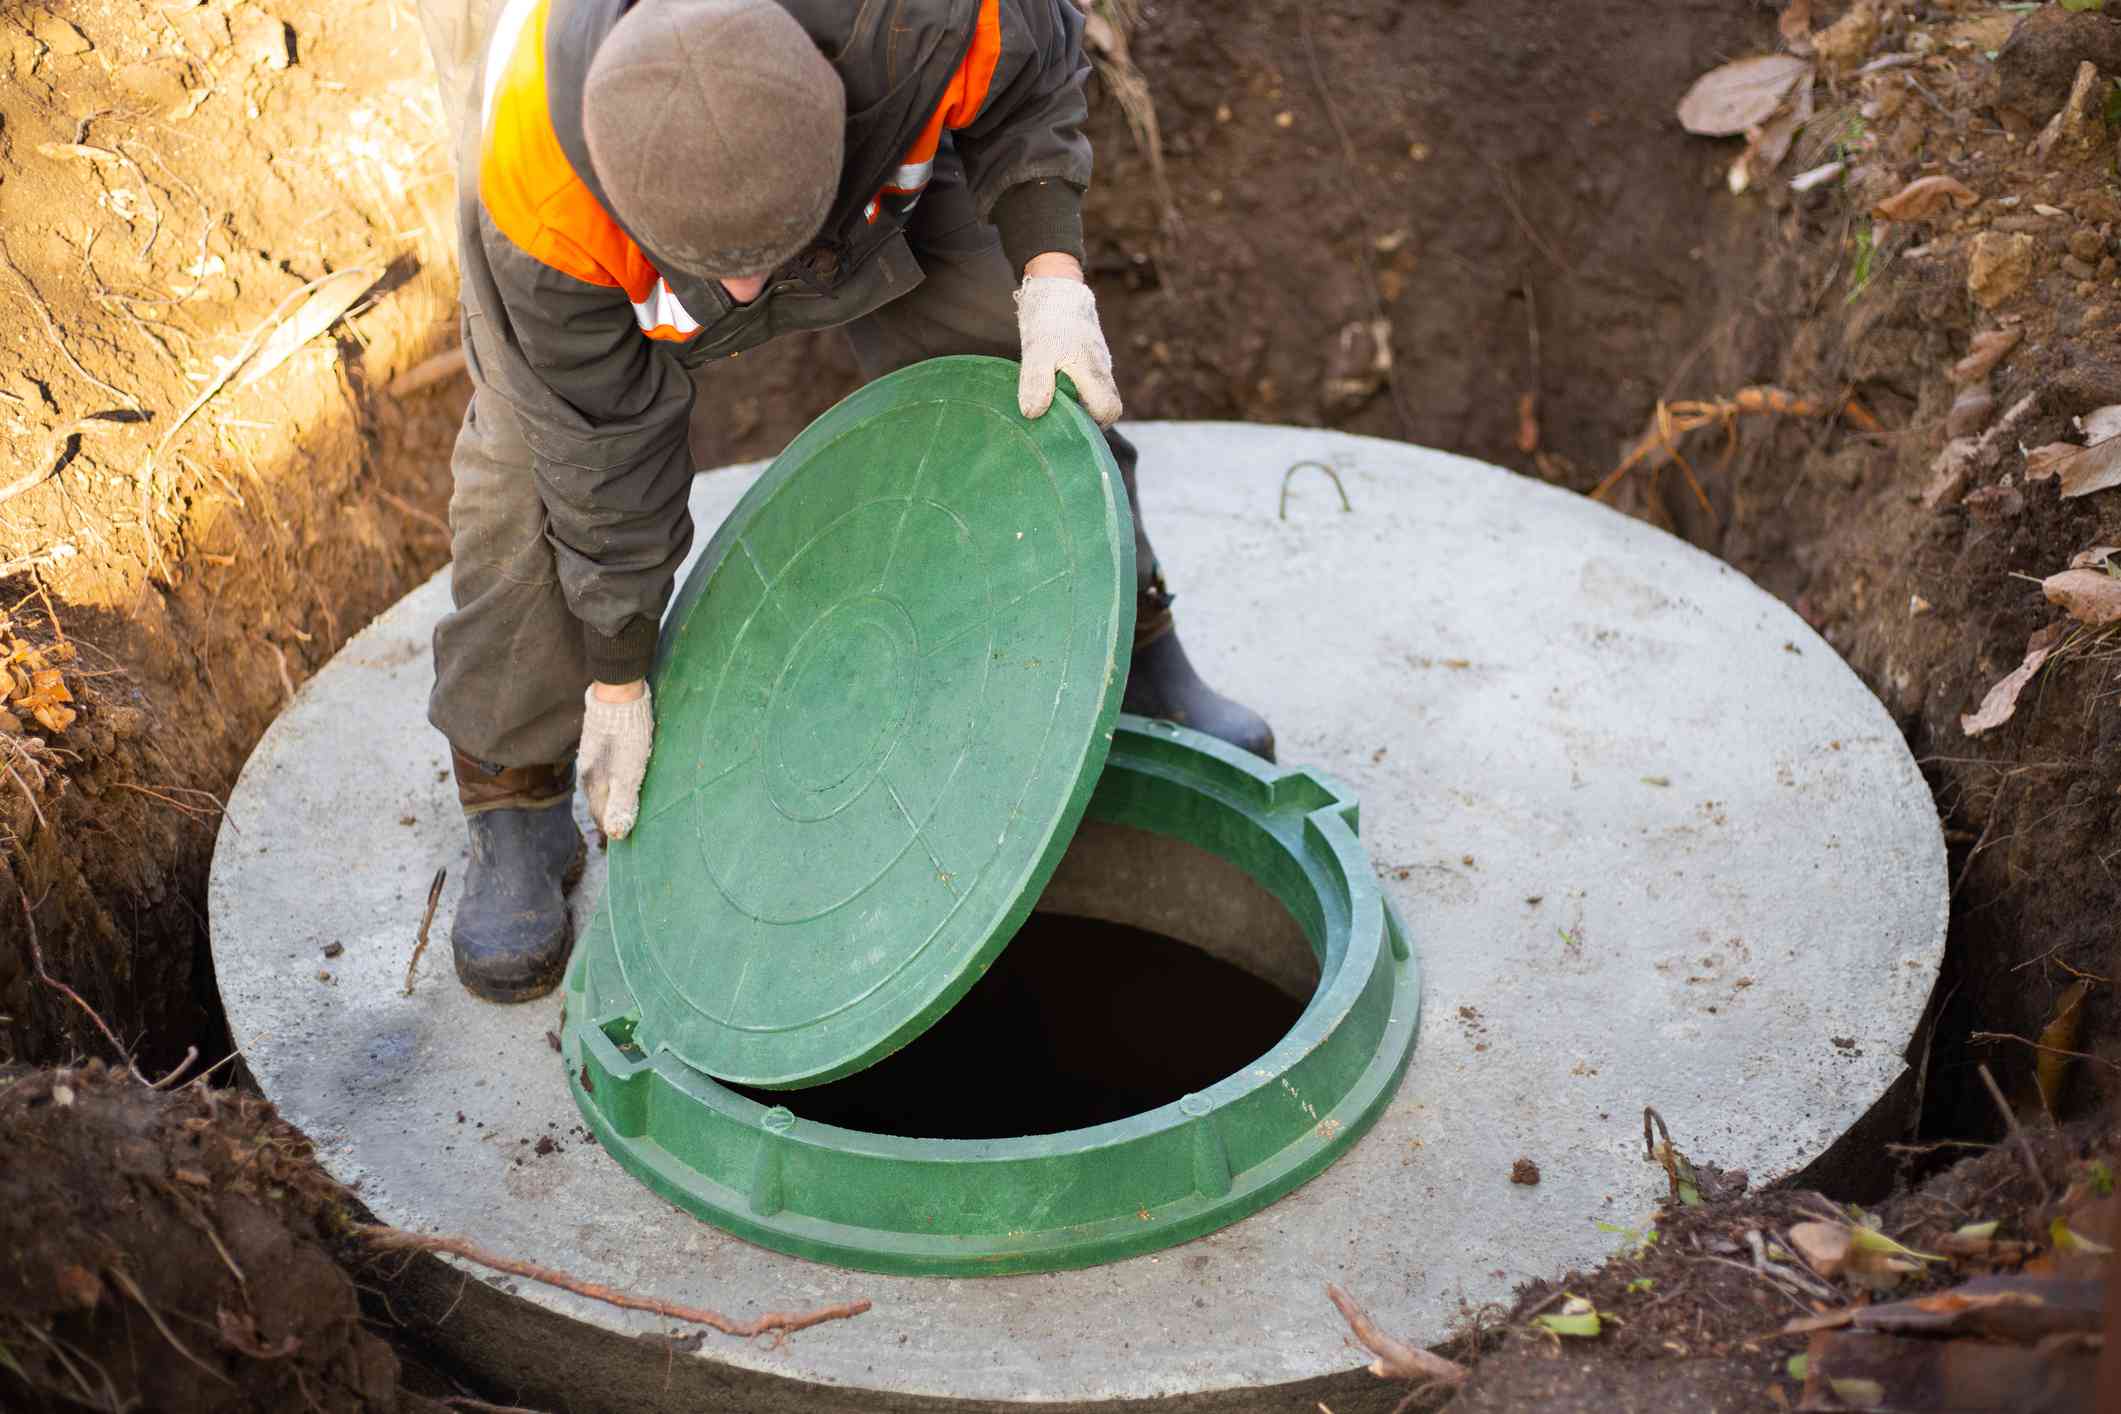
x,y
717,130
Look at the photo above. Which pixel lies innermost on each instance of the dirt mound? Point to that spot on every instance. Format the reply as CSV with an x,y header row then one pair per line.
x,y
1918,554
171,1252
200,503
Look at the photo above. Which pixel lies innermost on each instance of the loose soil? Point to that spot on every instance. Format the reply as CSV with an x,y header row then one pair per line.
x,y
1472,226
173,1252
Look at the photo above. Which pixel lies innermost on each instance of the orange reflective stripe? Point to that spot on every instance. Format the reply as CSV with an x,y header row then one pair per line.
x,y
530,190
967,93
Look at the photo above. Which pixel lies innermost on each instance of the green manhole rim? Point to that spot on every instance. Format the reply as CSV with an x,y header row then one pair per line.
x,y
988,1206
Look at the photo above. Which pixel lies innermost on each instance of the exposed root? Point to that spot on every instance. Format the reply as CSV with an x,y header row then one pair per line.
x,y
36,957
778,1323
1673,420
1396,1360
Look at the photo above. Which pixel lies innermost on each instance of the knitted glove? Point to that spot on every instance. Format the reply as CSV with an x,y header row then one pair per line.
x,y
616,737
1056,319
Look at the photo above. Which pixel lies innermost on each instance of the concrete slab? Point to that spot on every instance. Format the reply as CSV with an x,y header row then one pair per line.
x,y
1653,840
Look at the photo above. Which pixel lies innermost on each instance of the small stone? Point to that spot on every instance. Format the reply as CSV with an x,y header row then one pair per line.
x,y
2076,269
1971,410
262,39
2082,121
2000,267
1357,364
63,1095
1847,41
324,977
1526,1172
58,36
1917,605
1285,119
2086,244
1995,503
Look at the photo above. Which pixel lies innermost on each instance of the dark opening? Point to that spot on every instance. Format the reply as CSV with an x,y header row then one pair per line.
x,y
1079,1022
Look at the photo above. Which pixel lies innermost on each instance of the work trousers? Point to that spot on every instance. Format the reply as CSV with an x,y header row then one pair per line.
x,y
510,661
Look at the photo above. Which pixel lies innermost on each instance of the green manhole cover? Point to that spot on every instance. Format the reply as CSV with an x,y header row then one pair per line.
x,y
883,700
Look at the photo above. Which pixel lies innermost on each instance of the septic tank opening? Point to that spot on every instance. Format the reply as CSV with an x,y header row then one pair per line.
x,y
1079,1022
1151,970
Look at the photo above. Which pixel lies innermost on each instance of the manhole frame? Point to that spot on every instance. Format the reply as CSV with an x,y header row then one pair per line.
x,y
1080,1197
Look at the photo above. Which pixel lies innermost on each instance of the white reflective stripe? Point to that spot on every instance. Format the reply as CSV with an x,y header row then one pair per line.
x,y
912,176
662,307
515,14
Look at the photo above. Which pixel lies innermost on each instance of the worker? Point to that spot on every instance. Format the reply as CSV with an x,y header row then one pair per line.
x,y
644,188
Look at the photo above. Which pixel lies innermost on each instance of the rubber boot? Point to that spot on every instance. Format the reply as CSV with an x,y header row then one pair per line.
x,y
512,933
1161,682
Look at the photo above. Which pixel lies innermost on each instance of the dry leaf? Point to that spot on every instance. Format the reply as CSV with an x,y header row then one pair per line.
x,y
1796,26
1923,198
1985,352
2002,700
1768,144
2095,558
1726,101
2042,463
2101,423
332,297
2059,1037
1824,1245
2081,470
2088,596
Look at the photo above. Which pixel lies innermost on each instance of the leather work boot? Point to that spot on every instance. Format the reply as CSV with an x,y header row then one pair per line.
x,y
1162,683
512,934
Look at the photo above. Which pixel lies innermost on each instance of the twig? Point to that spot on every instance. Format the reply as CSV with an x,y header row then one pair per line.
x,y
2051,1050
1771,1278
36,957
1283,512
434,896
1396,1360
775,1322
51,330
1808,1280
252,342
2025,1146
428,371
191,1053
286,681
1524,223
414,511
132,1289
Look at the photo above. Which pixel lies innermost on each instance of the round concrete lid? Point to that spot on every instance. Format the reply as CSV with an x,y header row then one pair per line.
x,y
883,699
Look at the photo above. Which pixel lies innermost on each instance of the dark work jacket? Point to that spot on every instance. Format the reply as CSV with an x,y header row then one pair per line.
x,y
589,337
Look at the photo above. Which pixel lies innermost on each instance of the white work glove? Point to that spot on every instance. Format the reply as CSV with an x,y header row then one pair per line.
x,y
616,737
1057,320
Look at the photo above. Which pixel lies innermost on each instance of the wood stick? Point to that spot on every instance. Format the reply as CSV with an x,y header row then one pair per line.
x,y
779,1322
428,372
2025,1147
1396,1360
427,920
36,956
